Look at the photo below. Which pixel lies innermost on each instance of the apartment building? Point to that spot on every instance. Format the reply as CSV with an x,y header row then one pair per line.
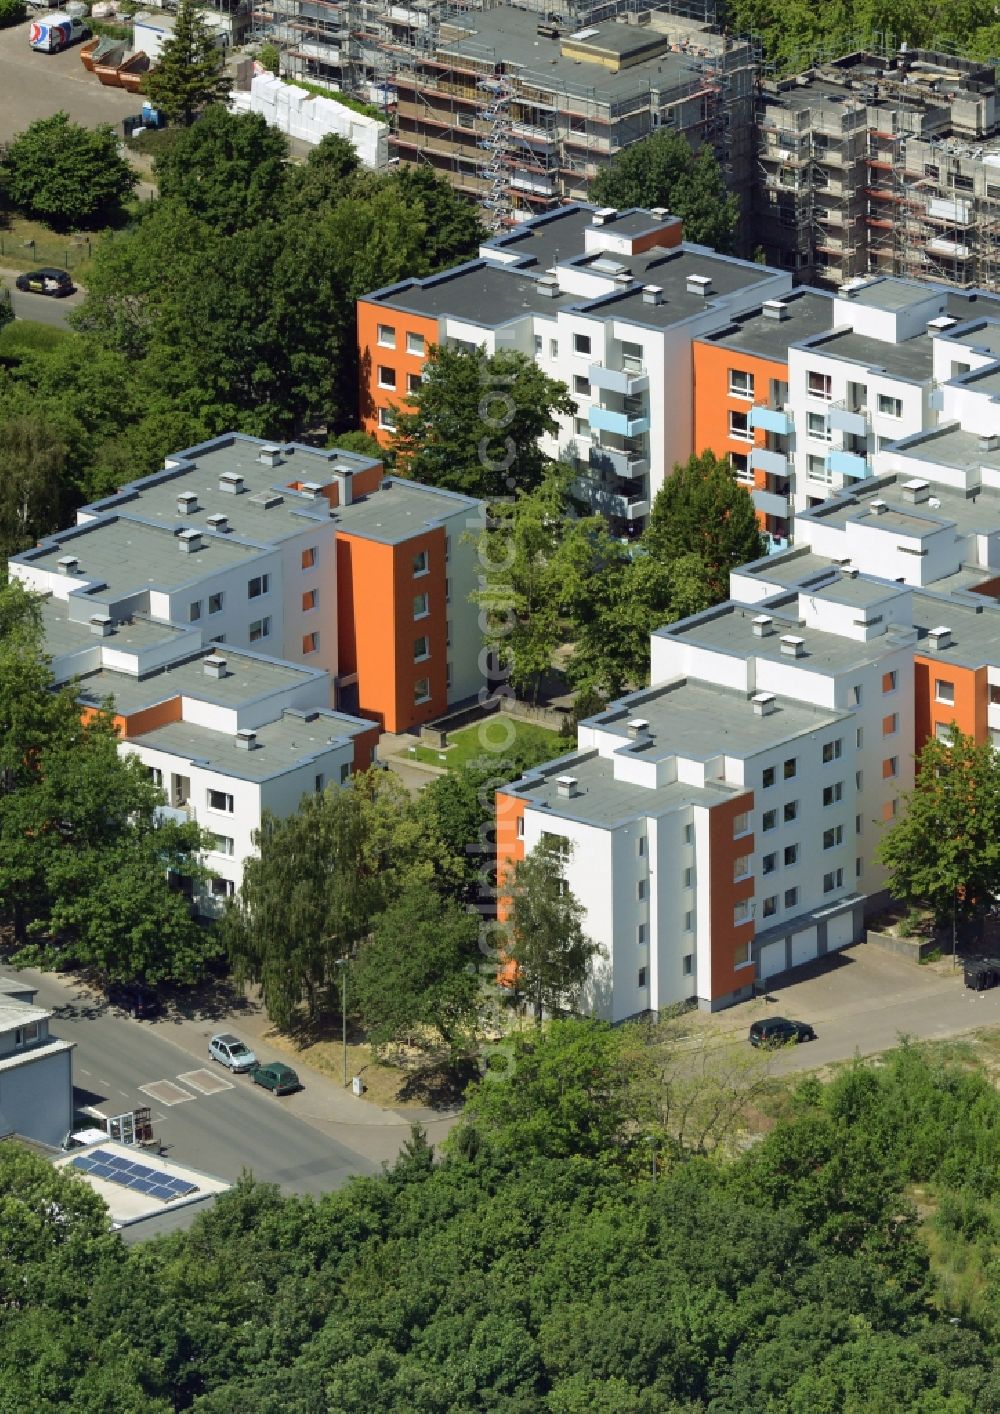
x,y
36,1069
610,303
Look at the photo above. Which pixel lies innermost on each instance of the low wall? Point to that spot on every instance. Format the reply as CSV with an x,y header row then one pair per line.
x,y
916,949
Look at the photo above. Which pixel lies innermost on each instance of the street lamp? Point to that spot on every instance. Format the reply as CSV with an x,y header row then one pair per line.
x,y
342,964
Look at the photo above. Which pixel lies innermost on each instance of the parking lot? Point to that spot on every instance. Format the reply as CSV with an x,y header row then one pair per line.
x,y
38,85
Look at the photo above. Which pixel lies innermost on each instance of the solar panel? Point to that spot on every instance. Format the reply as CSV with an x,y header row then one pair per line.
x,y
140,1178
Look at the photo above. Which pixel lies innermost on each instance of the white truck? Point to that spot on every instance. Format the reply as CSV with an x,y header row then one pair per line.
x,y
50,34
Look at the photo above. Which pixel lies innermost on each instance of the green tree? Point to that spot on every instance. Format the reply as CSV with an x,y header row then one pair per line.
x,y
228,169
68,175
702,510
269,58
416,979
189,74
662,170
12,12
327,175
454,230
356,441
547,946
476,420
32,465
945,850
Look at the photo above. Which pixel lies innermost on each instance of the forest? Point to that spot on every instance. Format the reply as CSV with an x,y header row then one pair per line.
x,y
845,1263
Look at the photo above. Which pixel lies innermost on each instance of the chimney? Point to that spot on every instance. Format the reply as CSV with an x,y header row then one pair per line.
x,y
623,280
763,624
246,739
792,647
699,285
774,309
652,294
638,729
270,455
214,666
187,502
219,523
660,212
604,215
939,638
548,285
916,491
567,787
877,508
68,564
345,486
231,481
101,625
763,704
312,489
189,541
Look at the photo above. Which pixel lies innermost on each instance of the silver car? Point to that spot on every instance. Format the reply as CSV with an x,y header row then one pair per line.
x,y
231,1052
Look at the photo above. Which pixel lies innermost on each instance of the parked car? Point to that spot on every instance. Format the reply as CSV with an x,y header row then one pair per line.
x,y
231,1052
982,973
135,998
53,33
278,1078
49,281
778,1031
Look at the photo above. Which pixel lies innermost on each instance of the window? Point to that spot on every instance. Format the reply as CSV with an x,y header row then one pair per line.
x,y
857,824
831,794
790,768
856,695
553,348
890,407
223,888
194,611
421,691
581,385
538,343
741,913
581,427
819,385
24,1035
415,344
220,800
419,563
769,863
640,933
768,778
260,584
817,468
386,336
833,837
420,609
741,955
689,834
687,966
944,731
816,426
413,382
223,844
309,558
641,889
386,376
642,977
741,824
740,463
770,819
310,643
156,775
770,905
260,628
345,772
739,427
791,811
640,846
689,922
420,649
741,868
215,603
859,738
740,383
889,681
890,768
944,692
791,855
581,343
319,783
859,779
833,880
858,867
890,724
688,878
832,750
791,897
387,419
520,827
310,600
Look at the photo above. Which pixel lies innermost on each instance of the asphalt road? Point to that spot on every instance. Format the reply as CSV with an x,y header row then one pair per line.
x,y
42,309
37,85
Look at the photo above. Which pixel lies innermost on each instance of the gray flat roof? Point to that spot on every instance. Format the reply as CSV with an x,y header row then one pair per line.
x,y
986,382
912,359
985,336
953,507
62,635
790,567
728,629
603,801
975,628
402,509
888,292
483,293
950,446
855,590
248,677
966,304
808,312
670,270
555,236
291,741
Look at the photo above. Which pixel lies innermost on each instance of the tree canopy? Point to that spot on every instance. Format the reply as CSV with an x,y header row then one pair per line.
x,y
546,946
228,169
662,170
68,175
188,74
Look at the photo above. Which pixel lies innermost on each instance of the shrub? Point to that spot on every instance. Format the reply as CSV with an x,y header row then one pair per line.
x,y
12,12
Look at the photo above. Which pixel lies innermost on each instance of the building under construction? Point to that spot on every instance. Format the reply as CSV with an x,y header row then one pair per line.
x,y
886,163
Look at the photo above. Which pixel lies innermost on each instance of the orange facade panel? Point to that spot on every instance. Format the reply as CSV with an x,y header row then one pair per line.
x,y
147,719
945,693
729,940
412,337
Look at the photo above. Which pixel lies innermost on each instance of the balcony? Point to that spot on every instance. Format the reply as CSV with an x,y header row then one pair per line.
x,y
622,461
608,499
770,504
774,463
623,424
993,716
615,380
849,418
848,464
177,814
771,419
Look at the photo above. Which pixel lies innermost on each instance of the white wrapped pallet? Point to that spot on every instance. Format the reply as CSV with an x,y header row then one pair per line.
x,y
310,118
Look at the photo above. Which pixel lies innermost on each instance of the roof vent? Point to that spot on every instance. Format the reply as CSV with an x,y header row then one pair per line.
x,y
311,489
219,523
763,624
246,739
214,666
231,481
548,285
623,280
774,309
638,728
699,285
940,637
102,625
878,507
660,212
604,215
916,491
792,647
267,500
652,294
187,502
567,787
989,442
189,541
940,324
849,571
68,564
764,704
270,455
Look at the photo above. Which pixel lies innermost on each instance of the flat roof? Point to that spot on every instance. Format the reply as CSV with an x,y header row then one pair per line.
x,y
603,801
951,446
293,740
985,336
554,236
729,629
912,359
950,506
248,677
790,567
890,293
484,293
987,381
670,270
401,510
127,1206
856,590
63,635
975,628
807,312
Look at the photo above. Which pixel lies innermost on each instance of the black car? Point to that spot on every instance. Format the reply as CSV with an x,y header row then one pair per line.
x,y
48,281
135,998
982,973
778,1031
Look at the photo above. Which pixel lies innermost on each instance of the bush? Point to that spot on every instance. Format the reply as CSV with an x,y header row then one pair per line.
x,y
12,12
269,58
67,175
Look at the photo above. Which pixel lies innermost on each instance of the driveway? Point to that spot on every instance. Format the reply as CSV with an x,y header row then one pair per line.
x,y
38,85
41,309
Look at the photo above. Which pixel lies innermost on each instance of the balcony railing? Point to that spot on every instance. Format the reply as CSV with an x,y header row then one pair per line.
x,y
848,417
771,504
627,382
622,424
771,419
848,464
774,463
625,462
608,499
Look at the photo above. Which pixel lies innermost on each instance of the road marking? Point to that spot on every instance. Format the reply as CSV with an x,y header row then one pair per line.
x,y
205,1082
166,1092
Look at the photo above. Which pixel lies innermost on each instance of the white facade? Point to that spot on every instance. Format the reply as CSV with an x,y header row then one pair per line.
x,y
36,1070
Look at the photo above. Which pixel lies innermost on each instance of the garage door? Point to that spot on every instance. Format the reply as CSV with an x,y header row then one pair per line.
x,y
840,931
772,959
803,946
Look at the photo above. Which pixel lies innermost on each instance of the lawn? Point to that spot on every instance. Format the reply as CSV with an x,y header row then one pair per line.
x,y
25,336
494,736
